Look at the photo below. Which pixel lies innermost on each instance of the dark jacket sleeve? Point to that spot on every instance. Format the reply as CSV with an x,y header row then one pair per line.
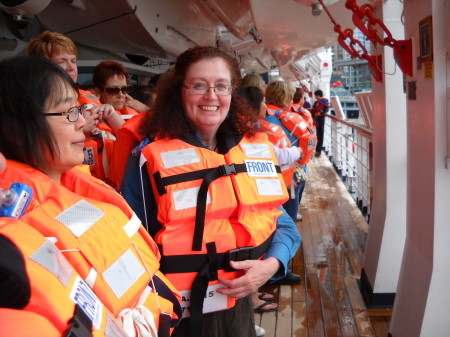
x,y
15,290
137,190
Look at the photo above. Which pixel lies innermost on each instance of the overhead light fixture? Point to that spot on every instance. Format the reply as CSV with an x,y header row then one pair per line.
x,y
316,9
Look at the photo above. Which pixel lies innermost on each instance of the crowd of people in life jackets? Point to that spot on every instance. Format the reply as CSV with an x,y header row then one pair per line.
x,y
210,184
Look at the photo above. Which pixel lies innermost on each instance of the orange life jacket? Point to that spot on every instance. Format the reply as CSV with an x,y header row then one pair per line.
x,y
305,114
298,128
20,323
59,297
209,205
278,138
101,236
127,137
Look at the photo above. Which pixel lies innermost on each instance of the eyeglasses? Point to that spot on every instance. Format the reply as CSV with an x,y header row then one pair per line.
x,y
201,88
115,90
71,114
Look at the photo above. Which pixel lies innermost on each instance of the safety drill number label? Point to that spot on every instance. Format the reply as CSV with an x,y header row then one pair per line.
x,y
213,300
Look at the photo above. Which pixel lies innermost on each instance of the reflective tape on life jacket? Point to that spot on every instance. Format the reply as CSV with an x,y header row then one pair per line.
x,y
103,240
58,294
210,206
87,97
305,114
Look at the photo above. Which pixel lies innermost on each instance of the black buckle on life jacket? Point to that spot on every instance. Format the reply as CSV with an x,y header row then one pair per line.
x,y
226,170
238,254
80,324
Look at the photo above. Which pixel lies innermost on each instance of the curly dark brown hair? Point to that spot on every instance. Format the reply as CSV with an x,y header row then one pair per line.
x,y
168,119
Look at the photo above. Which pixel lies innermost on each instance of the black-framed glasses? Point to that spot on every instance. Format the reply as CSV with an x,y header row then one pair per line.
x,y
115,90
201,88
71,114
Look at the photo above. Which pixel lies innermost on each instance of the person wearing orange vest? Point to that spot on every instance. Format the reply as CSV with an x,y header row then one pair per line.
x,y
62,50
129,137
110,81
88,222
298,107
216,186
279,96
286,154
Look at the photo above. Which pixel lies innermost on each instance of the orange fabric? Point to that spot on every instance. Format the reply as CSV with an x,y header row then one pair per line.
x,y
306,115
20,323
46,311
93,157
127,137
99,245
87,97
241,218
299,128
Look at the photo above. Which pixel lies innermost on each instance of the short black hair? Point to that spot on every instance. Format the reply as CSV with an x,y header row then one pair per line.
x,y
28,85
318,93
253,95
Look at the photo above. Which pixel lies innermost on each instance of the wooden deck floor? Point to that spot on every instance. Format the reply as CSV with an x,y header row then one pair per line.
x,y
327,302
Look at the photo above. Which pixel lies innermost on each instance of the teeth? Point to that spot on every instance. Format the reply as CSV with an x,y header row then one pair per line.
x,y
210,108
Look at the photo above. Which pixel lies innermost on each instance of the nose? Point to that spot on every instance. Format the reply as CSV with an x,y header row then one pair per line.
x,y
81,122
211,92
70,66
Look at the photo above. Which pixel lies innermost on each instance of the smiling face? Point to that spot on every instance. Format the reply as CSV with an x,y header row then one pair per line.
x,y
68,62
209,110
117,101
69,136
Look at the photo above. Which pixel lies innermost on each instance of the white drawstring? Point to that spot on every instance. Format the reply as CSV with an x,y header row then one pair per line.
x,y
138,322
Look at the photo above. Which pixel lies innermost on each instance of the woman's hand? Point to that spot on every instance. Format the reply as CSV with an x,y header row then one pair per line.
x,y
257,272
135,104
104,111
91,120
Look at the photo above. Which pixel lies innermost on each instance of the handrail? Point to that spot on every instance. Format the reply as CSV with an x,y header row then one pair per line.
x,y
365,131
349,148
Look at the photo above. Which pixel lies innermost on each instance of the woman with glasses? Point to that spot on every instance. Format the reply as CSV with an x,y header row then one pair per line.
x,y
215,187
41,136
110,80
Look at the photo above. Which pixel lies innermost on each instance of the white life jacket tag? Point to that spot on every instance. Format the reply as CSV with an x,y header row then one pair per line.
x,y
261,168
89,158
213,300
82,295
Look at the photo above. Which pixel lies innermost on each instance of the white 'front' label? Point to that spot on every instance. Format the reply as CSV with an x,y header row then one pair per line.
x,y
261,168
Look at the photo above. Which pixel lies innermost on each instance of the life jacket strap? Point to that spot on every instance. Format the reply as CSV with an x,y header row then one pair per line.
x,y
164,291
198,291
80,324
171,264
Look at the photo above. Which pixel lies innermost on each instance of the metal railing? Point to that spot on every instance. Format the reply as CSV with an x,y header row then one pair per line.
x,y
349,148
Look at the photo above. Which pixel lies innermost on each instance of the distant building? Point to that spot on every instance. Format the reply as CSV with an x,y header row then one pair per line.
x,y
353,73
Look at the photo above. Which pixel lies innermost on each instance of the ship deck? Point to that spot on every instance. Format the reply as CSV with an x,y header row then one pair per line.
x,y
328,301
